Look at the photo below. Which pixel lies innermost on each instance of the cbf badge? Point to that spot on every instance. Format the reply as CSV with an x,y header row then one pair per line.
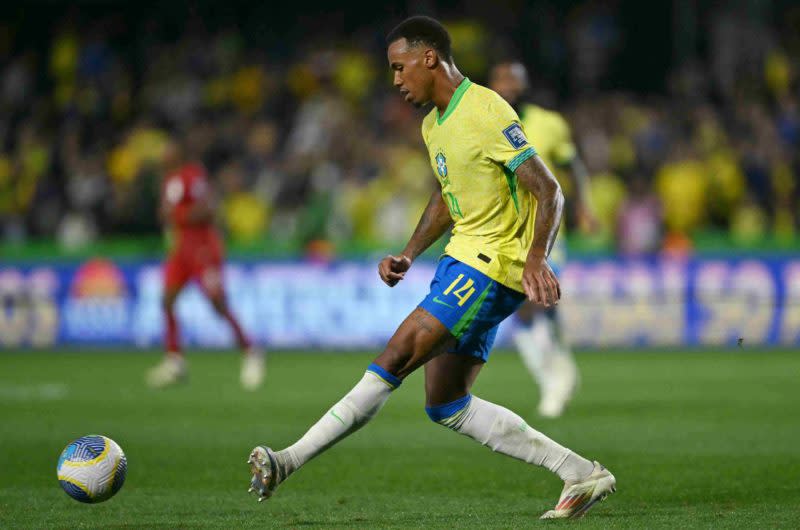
x,y
441,165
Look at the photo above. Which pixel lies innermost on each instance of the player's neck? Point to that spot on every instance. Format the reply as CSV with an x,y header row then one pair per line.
x,y
446,86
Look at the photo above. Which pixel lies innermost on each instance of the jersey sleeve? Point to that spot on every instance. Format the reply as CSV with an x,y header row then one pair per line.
x,y
503,136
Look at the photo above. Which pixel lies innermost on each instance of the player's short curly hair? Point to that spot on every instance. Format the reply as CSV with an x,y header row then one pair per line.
x,y
423,30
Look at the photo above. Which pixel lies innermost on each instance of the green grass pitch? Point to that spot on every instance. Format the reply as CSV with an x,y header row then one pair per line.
x,y
695,440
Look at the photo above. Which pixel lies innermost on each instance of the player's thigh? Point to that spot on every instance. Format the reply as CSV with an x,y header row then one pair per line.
x,y
419,338
471,306
449,377
209,276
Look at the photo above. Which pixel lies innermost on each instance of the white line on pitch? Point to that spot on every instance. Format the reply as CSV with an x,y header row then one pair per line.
x,y
34,392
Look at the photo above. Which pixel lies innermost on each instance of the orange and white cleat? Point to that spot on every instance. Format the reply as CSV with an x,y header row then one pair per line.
x,y
578,497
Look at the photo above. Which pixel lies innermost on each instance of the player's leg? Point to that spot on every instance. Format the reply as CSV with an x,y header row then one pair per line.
x,y
210,279
449,377
419,338
530,342
253,367
563,376
448,380
172,369
172,336
547,356
541,343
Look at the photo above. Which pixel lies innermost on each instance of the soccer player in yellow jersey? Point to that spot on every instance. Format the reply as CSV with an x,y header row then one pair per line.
x,y
540,340
505,207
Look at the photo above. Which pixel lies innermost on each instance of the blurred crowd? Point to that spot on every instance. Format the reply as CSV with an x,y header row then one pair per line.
x,y
314,147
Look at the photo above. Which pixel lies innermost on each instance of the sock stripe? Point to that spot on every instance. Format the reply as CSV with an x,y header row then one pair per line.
x,y
390,379
446,414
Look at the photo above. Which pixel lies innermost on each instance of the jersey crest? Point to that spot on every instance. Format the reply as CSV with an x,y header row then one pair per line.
x,y
441,165
515,136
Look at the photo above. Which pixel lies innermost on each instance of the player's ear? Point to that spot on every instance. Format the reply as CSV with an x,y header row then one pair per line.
x,y
431,58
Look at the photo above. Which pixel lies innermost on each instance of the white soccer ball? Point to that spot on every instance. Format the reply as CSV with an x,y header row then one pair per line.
x,y
92,468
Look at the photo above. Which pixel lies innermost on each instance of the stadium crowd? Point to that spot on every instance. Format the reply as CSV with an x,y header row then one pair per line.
x,y
316,146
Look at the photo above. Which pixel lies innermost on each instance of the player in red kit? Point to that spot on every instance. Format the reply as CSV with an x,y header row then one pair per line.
x,y
197,254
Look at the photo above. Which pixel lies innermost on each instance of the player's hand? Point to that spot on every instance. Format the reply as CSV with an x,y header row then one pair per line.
x,y
540,283
392,269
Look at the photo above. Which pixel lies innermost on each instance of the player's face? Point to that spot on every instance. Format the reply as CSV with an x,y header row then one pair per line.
x,y
412,71
507,81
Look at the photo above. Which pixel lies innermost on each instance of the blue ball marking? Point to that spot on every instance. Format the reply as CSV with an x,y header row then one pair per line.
x,y
119,475
66,454
87,448
75,492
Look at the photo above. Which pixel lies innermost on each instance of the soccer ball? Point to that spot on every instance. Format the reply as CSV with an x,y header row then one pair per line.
x,y
92,469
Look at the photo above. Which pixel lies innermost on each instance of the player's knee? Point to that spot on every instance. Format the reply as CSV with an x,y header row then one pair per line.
x,y
451,415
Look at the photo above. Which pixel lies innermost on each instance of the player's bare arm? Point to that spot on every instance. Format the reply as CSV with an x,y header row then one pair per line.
x,y
432,225
540,283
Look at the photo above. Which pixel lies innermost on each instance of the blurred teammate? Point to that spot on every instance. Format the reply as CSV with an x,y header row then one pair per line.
x,y
491,182
540,340
197,254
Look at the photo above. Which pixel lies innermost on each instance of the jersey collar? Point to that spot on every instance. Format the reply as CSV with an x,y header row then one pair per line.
x,y
457,95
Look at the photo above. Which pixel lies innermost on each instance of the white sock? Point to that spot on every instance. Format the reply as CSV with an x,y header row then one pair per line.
x,y
504,432
351,413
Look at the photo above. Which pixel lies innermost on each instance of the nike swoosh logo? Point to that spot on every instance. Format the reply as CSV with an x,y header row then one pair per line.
x,y
436,299
336,416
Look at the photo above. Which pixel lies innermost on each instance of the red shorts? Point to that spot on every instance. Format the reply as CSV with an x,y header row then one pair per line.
x,y
200,262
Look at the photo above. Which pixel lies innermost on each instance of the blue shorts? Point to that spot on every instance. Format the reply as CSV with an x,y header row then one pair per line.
x,y
470,304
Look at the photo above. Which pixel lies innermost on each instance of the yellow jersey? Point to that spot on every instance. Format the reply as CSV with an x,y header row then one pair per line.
x,y
474,149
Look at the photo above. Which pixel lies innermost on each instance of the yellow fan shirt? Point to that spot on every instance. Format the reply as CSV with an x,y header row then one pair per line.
x,y
550,133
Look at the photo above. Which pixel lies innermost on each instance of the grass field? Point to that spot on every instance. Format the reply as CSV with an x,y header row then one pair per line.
x,y
695,440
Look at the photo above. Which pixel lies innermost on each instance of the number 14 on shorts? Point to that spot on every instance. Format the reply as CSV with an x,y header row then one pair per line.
x,y
462,292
